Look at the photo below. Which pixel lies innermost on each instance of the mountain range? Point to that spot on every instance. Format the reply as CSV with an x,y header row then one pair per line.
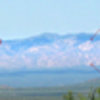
x,y
50,51
49,59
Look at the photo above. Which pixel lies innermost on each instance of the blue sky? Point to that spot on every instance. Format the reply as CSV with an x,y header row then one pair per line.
x,y
26,18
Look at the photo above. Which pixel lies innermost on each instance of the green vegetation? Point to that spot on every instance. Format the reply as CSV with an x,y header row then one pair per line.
x,y
79,92
49,94
92,95
69,96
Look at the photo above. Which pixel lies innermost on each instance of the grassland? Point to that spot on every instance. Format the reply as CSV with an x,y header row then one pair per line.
x,y
79,92
37,93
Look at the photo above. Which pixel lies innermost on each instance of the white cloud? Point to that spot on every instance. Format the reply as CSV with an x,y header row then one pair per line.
x,y
33,49
62,53
87,46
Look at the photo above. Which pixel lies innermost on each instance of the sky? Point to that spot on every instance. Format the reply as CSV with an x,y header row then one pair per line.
x,y
26,18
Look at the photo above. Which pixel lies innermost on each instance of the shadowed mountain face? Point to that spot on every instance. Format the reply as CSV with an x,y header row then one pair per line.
x,y
44,59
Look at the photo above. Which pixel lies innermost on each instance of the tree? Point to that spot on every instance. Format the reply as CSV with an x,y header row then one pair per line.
x,y
69,96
